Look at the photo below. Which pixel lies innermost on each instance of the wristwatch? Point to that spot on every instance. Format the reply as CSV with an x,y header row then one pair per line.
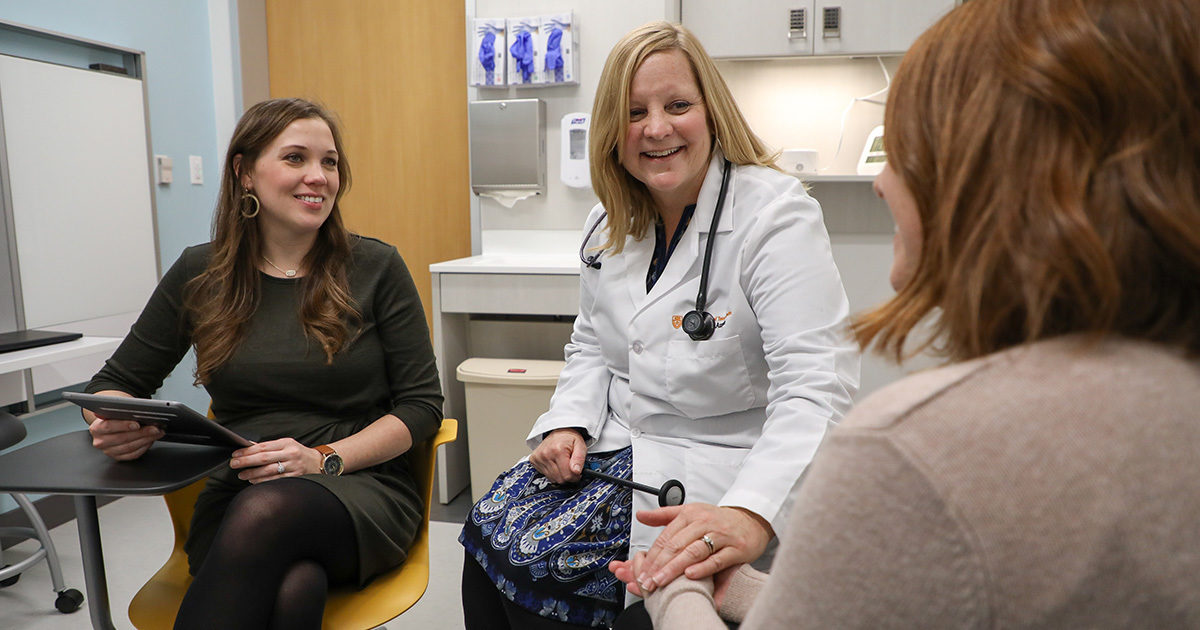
x,y
331,462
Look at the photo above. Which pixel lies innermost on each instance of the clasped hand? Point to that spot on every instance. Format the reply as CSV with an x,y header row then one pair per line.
x,y
560,456
737,536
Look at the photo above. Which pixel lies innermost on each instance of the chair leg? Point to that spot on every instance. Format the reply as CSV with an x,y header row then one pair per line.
x,y
69,600
43,534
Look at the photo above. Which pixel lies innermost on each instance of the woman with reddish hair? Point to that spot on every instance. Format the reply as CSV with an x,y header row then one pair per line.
x,y
1044,175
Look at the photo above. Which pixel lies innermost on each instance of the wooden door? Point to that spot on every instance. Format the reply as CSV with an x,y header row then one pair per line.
x,y
394,71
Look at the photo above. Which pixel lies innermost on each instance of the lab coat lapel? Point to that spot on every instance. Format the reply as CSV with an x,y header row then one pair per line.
x,y
688,256
637,261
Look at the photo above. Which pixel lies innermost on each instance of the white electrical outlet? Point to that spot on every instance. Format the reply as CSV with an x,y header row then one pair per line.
x,y
197,169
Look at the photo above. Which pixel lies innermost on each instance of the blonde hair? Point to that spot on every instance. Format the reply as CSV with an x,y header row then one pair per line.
x,y
627,201
1051,147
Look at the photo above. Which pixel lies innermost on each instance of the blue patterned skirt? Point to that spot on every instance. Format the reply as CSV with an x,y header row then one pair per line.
x,y
547,547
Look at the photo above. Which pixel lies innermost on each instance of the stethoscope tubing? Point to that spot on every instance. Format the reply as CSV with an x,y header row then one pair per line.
x,y
671,493
593,261
619,481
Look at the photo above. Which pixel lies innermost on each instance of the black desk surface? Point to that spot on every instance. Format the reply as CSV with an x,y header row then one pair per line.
x,y
68,464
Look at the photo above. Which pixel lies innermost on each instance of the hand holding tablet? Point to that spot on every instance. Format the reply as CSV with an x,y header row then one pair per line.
x,y
179,422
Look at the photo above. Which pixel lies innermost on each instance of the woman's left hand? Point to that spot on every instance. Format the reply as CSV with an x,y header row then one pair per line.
x,y
284,457
736,535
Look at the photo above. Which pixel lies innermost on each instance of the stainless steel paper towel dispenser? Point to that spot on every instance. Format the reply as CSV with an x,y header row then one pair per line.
x,y
508,145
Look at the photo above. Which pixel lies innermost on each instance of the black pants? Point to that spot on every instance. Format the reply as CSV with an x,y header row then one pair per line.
x,y
484,608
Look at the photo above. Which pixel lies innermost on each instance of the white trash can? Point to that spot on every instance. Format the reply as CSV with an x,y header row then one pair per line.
x,y
504,398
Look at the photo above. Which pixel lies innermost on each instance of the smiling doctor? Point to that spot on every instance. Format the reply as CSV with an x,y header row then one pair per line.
x,y
710,347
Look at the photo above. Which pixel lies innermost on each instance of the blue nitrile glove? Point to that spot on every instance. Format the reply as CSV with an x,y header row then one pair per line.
x,y
487,55
554,59
522,52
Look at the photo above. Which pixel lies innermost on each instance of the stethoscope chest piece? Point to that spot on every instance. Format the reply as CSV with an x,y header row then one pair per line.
x,y
671,493
699,325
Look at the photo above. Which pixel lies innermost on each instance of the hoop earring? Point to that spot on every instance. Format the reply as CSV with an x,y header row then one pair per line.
x,y
246,194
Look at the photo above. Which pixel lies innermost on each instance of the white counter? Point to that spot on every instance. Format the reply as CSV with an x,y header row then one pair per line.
x,y
553,264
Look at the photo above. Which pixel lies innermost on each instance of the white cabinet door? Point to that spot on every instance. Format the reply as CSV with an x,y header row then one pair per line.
x,y
750,28
789,28
872,27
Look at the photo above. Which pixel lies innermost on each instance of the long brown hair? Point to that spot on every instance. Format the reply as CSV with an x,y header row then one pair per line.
x,y
1053,151
220,301
627,201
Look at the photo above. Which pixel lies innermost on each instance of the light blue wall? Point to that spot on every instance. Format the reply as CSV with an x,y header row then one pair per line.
x,y
175,36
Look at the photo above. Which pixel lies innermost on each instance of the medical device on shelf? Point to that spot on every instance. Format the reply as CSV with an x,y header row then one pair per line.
x,y
873,157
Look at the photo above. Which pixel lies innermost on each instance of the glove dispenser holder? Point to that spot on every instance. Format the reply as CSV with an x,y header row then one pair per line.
x,y
508,146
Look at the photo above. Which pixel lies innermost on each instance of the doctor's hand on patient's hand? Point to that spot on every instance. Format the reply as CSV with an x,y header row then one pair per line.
x,y
284,457
123,440
738,536
625,570
560,455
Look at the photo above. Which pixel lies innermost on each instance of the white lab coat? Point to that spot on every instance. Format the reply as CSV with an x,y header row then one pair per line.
x,y
738,417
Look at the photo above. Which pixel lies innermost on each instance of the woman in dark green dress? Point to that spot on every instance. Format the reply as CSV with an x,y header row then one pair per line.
x,y
309,338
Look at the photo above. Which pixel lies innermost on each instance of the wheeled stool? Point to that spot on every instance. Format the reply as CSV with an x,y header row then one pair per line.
x,y
69,600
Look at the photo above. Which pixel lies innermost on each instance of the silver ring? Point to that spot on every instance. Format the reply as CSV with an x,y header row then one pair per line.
x,y
706,539
279,467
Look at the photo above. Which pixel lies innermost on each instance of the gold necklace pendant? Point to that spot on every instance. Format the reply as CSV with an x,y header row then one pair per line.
x,y
291,273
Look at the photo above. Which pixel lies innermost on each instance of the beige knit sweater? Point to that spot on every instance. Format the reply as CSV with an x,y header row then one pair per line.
x,y
1055,485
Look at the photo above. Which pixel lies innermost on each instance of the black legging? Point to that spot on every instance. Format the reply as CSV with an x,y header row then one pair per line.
x,y
279,547
484,608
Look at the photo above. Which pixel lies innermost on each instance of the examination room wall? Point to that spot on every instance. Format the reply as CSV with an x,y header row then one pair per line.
x,y
182,103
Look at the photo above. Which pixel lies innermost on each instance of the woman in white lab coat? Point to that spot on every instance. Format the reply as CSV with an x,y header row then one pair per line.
x,y
735,416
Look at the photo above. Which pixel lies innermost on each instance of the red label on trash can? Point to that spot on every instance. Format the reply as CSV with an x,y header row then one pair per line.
x,y
516,370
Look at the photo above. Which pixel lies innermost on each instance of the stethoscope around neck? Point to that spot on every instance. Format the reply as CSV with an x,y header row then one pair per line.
x,y
699,324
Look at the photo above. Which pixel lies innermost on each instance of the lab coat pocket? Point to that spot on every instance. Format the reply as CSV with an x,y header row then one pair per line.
x,y
707,378
711,470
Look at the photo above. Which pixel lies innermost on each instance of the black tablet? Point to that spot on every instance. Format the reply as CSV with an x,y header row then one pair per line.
x,y
179,422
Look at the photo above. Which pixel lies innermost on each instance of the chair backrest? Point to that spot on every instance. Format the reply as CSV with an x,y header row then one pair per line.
x,y
12,430
384,599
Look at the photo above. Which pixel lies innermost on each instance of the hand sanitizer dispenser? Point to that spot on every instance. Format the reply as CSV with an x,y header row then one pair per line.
x,y
574,154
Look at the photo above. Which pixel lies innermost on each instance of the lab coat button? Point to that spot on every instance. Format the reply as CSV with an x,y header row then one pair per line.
x,y
635,432
637,347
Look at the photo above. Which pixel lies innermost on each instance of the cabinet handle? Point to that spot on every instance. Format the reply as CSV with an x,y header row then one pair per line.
x,y
831,24
798,24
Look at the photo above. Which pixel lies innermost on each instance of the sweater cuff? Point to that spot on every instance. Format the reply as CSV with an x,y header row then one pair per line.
x,y
744,585
680,600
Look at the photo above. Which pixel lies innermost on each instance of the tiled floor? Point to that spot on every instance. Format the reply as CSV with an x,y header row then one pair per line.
x,y
136,533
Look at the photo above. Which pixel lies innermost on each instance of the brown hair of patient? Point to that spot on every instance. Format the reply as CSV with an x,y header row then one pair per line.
x,y
1053,151
627,201
220,301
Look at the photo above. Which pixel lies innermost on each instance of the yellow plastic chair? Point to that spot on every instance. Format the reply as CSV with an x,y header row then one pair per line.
x,y
384,599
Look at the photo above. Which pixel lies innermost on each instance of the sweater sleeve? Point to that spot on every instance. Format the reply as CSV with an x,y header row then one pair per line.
x,y
871,544
412,371
158,339
686,604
